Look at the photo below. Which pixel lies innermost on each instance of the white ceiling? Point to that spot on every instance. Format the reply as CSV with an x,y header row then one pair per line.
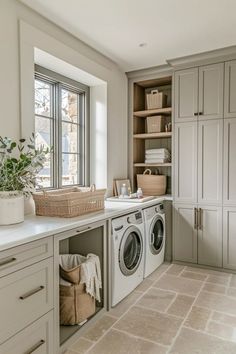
x,y
171,28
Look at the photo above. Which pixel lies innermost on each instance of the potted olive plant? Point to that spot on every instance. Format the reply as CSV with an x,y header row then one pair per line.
x,y
20,162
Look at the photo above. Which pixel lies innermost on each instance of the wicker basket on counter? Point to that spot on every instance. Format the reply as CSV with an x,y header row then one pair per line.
x,y
152,184
69,202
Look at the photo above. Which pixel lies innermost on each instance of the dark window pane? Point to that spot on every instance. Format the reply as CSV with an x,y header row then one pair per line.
x,y
43,99
69,137
69,106
43,130
69,169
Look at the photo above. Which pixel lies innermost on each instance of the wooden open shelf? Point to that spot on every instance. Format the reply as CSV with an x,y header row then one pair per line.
x,y
142,164
153,135
150,112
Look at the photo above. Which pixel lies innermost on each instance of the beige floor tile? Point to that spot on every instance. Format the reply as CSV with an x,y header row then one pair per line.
x,y
194,342
221,330
207,271
70,352
146,284
125,304
231,292
233,280
195,276
197,318
81,346
217,302
157,299
223,318
159,271
214,288
178,284
151,325
115,342
221,280
175,269
181,305
98,329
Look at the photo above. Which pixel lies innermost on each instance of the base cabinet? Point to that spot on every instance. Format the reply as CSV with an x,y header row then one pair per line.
x,y
210,236
185,235
37,338
229,238
198,234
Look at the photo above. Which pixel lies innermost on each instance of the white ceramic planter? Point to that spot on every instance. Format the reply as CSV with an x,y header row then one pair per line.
x,y
11,208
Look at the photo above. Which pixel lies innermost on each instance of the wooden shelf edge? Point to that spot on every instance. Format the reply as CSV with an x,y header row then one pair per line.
x,y
141,164
153,135
150,112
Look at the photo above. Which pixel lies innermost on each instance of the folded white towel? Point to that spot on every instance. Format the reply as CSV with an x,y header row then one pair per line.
x,y
157,151
153,156
157,160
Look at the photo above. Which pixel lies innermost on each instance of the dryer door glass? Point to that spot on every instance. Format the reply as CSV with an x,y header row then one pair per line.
x,y
157,235
130,251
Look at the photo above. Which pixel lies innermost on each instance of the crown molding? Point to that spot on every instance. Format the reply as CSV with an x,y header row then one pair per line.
x,y
148,73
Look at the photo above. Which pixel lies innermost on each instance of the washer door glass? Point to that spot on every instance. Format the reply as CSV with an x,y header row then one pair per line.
x,y
131,249
157,235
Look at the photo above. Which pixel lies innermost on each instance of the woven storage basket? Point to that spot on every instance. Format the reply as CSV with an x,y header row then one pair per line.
x,y
156,124
156,100
151,184
69,202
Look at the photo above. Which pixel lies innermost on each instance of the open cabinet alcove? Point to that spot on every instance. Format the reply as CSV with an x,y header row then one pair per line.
x,y
82,240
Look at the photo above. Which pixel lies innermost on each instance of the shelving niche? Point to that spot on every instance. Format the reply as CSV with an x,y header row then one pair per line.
x,y
143,140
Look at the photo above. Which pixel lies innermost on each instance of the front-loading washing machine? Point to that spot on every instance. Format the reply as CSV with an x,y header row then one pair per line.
x,y
154,218
127,255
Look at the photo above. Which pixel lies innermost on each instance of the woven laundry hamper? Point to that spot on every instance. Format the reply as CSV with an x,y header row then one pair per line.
x,y
156,100
152,184
75,304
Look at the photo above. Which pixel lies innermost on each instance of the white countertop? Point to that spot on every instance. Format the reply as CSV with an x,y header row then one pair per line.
x,y
36,227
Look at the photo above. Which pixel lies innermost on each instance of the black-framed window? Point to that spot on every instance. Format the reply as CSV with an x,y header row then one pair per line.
x,y
61,121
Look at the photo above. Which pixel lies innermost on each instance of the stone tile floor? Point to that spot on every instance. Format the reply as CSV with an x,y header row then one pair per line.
x,y
177,309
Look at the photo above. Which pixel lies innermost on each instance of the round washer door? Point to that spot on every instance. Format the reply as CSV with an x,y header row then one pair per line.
x,y
130,251
157,230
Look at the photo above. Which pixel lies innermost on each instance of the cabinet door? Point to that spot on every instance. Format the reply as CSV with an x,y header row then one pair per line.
x,y
210,161
230,90
185,234
210,236
186,95
37,338
230,161
229,238
185,160
211,91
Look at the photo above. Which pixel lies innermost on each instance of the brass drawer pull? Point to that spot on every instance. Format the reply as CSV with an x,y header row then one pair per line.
x,y
36,346
83,230
200,219
195,218
32,292
7,261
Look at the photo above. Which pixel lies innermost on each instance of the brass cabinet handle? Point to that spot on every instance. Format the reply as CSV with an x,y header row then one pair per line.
x,y
200,218
195,219
196,113
7,261
32,292
200,113
36,346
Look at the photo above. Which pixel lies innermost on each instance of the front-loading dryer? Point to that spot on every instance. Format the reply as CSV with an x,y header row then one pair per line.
x,y
127,255
154,218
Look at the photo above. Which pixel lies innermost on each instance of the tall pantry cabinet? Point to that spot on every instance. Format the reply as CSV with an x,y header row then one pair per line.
x,y
205,165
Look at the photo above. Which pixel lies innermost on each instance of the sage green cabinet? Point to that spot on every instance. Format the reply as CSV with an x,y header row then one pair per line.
x,y
230,90
199,93
229,238
185,234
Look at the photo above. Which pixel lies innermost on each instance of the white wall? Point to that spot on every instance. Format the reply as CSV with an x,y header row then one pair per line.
x,y
14,90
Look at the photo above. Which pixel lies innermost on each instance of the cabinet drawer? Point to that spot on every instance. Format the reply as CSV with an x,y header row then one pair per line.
x,y
19,257
25,296
37,338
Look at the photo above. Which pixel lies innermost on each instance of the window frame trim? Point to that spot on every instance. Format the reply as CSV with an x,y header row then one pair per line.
x,y
59,81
